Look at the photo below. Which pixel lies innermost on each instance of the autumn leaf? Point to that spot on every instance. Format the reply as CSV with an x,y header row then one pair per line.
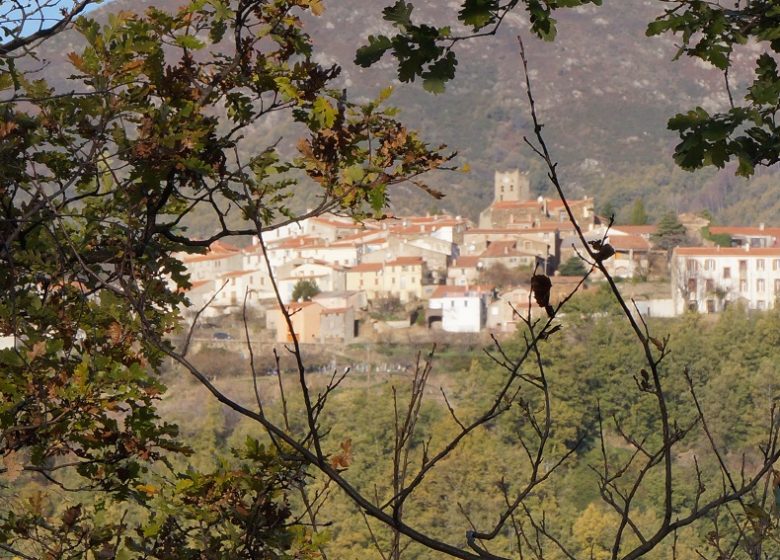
x,y
7,128
343,458
317,7
13,466
77,61
71,515
148,489
115,332
38,350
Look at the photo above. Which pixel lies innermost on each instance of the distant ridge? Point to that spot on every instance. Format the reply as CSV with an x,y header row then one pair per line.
x,y
605,93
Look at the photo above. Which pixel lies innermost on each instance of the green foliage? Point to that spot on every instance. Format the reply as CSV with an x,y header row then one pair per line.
x,y
720,239
572,267
638,214
746,132
304,290
670,233
95,191
425,51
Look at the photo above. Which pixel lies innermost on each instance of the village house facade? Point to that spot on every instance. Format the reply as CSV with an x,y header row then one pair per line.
x,y
707,279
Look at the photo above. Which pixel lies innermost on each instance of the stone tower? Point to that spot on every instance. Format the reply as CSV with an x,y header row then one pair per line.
x,y
511,186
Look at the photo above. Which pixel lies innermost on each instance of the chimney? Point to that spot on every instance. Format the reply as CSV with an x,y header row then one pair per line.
x,y
747,247
761,226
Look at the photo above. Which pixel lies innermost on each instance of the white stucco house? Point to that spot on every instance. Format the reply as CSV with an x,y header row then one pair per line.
x,y
707,279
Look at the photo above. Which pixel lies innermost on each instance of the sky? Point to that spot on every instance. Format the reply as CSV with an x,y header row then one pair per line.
x,y
50,11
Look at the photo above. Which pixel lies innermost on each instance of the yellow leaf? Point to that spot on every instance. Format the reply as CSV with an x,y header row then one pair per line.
x,y
317,7
148,489
466,168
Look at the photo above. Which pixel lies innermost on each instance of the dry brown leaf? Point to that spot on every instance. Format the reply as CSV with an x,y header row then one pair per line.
x,y
115,332
13,466
343,459
38,350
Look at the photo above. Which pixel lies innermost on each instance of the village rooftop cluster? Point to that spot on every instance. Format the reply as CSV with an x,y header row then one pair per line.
x,y
435,270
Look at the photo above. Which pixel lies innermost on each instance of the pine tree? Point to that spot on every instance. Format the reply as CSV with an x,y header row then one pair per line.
x,y
638,214
670,233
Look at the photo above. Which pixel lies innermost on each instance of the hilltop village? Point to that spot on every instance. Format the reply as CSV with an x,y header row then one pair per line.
x,y
340,278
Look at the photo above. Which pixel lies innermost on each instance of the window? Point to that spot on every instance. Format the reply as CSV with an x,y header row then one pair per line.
x,y
760,286
743,285
710,306
742,267
691,265
726,272
777,287
760,264
709,285
776,264
691,285
709,264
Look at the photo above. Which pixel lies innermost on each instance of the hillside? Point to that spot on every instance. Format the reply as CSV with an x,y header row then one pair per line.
x,y
605,92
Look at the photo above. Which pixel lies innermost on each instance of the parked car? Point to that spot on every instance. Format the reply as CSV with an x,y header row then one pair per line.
x,y
221,336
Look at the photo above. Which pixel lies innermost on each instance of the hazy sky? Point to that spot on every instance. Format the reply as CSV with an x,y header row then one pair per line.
x,y
41,13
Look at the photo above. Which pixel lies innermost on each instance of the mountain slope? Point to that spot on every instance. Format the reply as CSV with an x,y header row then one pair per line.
x,y
604,92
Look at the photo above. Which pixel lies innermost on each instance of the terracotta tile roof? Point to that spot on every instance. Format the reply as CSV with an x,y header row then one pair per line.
x,y
629,242
366,267
296,305
499,249
222,247
465,262
335,310
236,273
508,229
556,203
337,223
728,251
406,261
456,291
298,242
746,230
366,236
